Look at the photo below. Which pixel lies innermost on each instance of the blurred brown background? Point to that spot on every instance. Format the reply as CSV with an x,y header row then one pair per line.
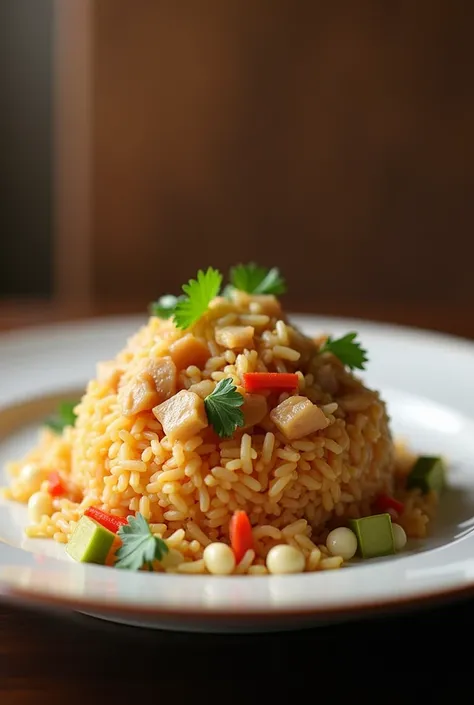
x,y
334,140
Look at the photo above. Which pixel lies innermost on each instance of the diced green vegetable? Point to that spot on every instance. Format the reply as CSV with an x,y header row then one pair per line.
x,y
428,473
374,535
90,542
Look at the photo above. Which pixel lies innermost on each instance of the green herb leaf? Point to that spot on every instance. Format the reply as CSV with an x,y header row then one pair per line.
x,y
165,306
139,546
65,416
348,350
257,280
199,293
222,408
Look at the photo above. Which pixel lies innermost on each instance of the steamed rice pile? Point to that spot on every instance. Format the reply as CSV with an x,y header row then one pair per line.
x,y
292,491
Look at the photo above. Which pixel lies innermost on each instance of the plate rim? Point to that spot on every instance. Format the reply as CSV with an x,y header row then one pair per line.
x,y
27,334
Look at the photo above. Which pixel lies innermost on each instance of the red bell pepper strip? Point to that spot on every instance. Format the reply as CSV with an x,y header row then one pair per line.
x,y
384,502
108,521
240,531
55,487
281,381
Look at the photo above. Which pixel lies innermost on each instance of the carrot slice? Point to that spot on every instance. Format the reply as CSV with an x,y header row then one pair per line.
x,y
55,487
108,521
240,530
281,381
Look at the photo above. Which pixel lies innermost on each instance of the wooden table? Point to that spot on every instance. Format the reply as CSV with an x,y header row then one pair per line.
x,y
67,658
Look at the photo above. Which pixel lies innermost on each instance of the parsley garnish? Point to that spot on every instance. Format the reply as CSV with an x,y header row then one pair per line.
x,y
257,280
199,293
165,306
222,408
65,416
139,546
348,351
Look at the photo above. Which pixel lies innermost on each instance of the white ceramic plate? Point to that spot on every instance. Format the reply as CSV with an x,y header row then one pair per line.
x,y
428,381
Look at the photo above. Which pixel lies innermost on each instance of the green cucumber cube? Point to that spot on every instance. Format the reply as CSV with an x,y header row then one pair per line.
x,y
374,535
90,542
428,473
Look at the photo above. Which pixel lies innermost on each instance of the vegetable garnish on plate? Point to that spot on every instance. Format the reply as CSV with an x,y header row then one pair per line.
x,y
199,294
165,306
223,408
139,546
257,280
65,416
347,349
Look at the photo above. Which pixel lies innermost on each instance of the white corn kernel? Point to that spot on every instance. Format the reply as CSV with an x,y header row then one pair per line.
x,y
219,559
342,542
399,537
32,475
40,503
285,559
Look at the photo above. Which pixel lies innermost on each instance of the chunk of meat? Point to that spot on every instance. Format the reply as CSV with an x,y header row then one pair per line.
x,y
109,373
203,388
187,351
297,417
269,305
235,337
154,382
163,371
182,416
254,409
326,377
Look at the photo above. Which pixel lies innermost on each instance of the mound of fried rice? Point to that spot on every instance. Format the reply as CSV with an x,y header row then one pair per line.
x,y
293,491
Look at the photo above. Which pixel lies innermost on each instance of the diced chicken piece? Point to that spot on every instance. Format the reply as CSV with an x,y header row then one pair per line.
x,y
297,417
235,337
254,409
137,395
203,388
109,373
357,402
163,371
154,383
326,377
269,305
189,351
182,416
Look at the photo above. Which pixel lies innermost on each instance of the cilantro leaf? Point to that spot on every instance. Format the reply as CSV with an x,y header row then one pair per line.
x,y
257,280
165,306
65,416
199,293
348,350
139,546
222,408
